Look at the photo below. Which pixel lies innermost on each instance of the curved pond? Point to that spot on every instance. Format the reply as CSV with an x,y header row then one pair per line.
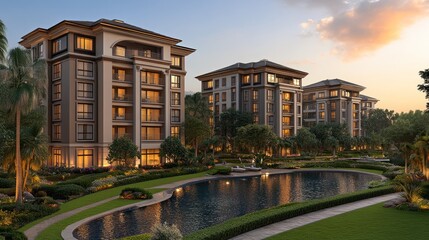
x,y
203,204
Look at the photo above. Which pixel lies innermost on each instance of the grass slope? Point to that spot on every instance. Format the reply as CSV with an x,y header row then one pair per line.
x,y
370,223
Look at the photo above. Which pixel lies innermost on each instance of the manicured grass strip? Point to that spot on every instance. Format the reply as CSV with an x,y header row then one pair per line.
x,y
54,231
145,236
251,221
370,223
99,196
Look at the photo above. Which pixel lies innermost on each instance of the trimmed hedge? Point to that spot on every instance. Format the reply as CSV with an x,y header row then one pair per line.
x,y
17,216
251,221
223,170
62,191
10,234
85,181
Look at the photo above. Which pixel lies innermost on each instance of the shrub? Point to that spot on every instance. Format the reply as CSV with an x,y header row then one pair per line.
x,y
411,185
248,222
17,216
62,191
85,181
8,191
145,236
104,183
41,194
135,193
7,183
165,232
425,190
10,234
220,170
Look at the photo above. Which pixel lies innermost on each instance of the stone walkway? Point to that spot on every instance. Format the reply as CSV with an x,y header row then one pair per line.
x,y
276,228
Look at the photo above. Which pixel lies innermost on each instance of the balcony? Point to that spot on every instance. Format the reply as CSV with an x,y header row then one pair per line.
x,y
122,77
119,117
153,81
123,98
152,119
129,53
152,100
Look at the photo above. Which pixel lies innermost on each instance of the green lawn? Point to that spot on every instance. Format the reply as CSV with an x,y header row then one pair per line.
x,y
54,231
370,223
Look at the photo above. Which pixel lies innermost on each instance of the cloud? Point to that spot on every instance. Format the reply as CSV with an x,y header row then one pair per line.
x,y
361,27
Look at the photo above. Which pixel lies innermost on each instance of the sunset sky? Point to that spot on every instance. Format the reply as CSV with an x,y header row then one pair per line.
x,y
381,45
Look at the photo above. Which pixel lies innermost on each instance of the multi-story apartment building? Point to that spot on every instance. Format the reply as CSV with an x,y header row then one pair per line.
x,y
270,91
108,79
336,100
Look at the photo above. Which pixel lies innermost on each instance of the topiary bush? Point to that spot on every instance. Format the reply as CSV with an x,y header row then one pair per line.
x,y
135,193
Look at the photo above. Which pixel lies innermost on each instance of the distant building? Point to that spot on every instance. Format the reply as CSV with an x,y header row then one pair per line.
x,y
271,92
108,79
336,100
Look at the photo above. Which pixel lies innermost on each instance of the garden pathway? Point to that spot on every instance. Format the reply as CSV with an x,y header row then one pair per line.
x,y
283,226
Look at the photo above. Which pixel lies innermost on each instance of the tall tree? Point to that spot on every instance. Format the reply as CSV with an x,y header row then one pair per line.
x,y
25,84
3,42
425,86
172,149
229,122
255,137
422,144
306,141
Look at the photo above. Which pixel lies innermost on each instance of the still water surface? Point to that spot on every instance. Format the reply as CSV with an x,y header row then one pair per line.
x,y
203,204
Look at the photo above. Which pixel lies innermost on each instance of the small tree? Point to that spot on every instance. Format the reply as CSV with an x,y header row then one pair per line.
x,y
173,150
256,138
123,151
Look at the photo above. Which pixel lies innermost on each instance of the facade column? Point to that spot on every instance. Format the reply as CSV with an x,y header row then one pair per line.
x,y
104,107
167,104
137,102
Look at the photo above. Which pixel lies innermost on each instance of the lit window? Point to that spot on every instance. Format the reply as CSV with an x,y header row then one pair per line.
x,y
150,157
56,91
286,121
224,97
152,78
270,107
175,115
333,93
56,157
119,74
333,116
255,107
321,115
257,78
245,80
56,71
150,115
84,90
175,81
321,106
151,133
255,95
84,43
56,132
255,118
56,112
151,96
321,95
85,158
59,44
287,96
286,108
296,82
85,132
272,78
208,85
118,113
176,61
175,98
286,132
174,131
120,51
85,69
210,99
270,95
84,111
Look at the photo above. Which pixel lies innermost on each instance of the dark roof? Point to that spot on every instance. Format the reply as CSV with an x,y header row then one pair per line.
x,y
253,65
368,98
333,82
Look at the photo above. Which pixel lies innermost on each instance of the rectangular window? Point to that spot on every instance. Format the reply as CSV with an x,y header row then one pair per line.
x,y
210,99
255,107
333,105
321,95
270,95
56,91
271,78
84,111
270,107
223,107
175,98
56,132
175,81
255,118
271,120
85,69
118,113
208,85
286,132
287,96
355,107
85,158
85,132
56,112
175,115
246,95
333,116
255,95
151,115
153,78
287,108
151,133
56,71
59,44
85,43
333,93
119,74
223,96
296,82
56,157
216,97
37,51
223,82
151,96
233,81
257,78
216,83
150,157
286,121
345,93
321,115
245,80
175,131
233,96
120,51
85,90
321,106
176,61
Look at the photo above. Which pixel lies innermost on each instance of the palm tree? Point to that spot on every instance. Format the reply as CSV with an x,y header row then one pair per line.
x,y
425,86
422,144
25,84
3,42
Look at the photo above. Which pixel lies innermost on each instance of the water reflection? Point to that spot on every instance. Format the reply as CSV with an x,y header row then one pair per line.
x,y
204,204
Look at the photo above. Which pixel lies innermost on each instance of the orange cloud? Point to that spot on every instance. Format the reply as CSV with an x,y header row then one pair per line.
x,y
367,25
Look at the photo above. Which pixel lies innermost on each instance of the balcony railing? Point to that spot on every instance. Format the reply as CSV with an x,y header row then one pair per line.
x,y
125,98
143,53
153,137
159,81
119,77
152,119
119,117
152,100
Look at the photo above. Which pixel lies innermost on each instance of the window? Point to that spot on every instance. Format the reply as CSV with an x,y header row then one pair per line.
x,y
85,43
223,107
321,115
84,111
59,44
150,157
299,109
37,51
175,115
118,113
216,83
175,98
255,95
333,116
286,132
85,132
85,158
85,69
256,78
270,107
56,157
223,82
321,95
272,78
208,85
151,96
286,121
119,74
299,121
333,105
246,95
271,120
287,108
175,81
120,51
255,118
56,71
233,81
245,80
174,131
85,90
255,107
233,92
216,97
333,93
321,106
356,124
287,96
153,78
151,133
56,112
343,105
210,99
296,82
151,115
345,93
176,61
355,107
270,95
56,132
56,91
223,96
118,132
